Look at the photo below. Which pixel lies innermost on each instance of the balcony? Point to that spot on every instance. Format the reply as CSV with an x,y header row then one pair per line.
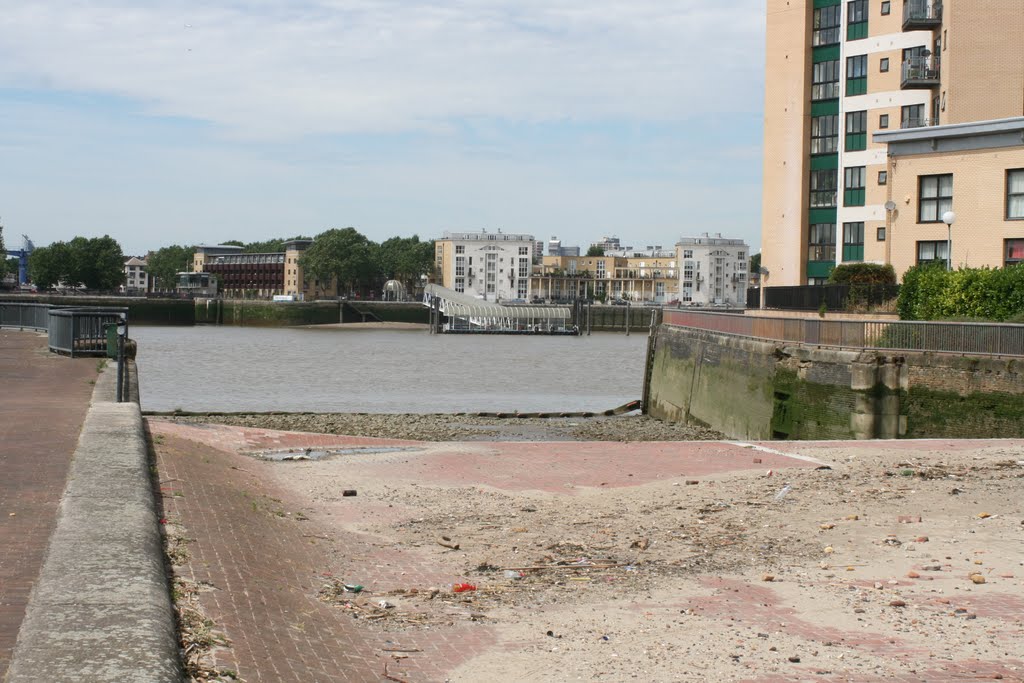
x,y
918,123
920,72
922,15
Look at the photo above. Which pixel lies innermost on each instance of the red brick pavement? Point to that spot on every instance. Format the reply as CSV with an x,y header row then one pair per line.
x,y
42,406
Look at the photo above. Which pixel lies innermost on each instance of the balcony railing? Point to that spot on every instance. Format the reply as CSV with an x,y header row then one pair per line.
x,y
920,72
921,14
918,122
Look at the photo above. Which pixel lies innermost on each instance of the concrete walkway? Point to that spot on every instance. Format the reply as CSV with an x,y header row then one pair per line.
x,y
43,403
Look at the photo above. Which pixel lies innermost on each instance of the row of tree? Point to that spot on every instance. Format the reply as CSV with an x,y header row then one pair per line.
x,y
356,262
94,263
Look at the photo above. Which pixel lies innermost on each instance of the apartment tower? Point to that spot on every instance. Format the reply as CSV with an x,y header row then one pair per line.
x,y
839,71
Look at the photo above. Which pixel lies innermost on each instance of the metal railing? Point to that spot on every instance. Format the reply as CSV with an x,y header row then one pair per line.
x,y
83,331
920,69
966,338
922,11
835,297
24,316
917,122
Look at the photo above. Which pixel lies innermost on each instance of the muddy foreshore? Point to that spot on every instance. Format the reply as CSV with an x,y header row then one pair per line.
x,y
448,427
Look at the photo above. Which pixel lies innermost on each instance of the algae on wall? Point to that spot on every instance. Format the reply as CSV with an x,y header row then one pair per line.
x,y
939,414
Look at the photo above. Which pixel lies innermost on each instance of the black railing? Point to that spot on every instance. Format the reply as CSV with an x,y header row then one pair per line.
x,y
834,297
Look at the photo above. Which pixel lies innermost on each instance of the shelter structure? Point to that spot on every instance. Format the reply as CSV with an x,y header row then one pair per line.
x,y
462,314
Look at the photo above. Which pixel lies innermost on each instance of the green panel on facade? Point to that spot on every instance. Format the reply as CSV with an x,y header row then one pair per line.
x,y
857,31
856,142
819,268
821,216
856,86
853,198
825,108
826,3
853,252
825,161
825,53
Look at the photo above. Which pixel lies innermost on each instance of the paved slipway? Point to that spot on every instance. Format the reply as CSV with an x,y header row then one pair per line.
x,y
42,406
660,561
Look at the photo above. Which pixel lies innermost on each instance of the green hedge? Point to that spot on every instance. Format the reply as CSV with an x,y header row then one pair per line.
x,y
862,273
929,292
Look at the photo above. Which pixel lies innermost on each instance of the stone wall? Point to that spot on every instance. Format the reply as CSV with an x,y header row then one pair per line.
x,y
750,389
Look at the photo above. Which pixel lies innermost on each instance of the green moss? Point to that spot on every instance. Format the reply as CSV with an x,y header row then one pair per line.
x,y
937,414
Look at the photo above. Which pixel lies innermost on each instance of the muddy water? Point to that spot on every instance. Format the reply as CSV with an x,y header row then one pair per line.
x,y
383,371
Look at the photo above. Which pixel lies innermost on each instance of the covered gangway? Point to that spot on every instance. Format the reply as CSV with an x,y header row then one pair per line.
x,y
467,314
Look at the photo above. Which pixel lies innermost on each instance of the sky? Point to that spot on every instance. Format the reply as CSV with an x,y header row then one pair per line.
x,y
186,122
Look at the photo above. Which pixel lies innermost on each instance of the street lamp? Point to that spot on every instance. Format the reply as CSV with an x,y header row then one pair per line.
x,y
949,218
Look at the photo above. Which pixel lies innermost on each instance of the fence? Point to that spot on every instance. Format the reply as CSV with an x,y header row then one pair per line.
x,y
966,338
834,297
76,331
25,316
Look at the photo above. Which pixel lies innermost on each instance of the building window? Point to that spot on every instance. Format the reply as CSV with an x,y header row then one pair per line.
x,y
886,7
687,253
857,19
853,186
853,241
856,131
826,26
935,197
460,284
825,134
912,116
932,252
521,289
880,234
1014,252
883,177
601,272
1015,194
883,65
460,266
883,120
524,267
460,249
857,75
524,251
823,188
822,242
825,80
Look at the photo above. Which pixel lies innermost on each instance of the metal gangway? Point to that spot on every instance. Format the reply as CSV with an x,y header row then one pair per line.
x,y
458,313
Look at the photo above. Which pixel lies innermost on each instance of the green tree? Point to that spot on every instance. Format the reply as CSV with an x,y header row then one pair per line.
x,y
755,262
95,263
405,259
48,266
595,250
271,246
164,264
344,254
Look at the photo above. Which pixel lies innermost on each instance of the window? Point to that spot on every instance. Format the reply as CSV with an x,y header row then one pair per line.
x,y
1014,252
825,134
460,266
935,197
886,7
856,131
521,289
880,234
883,120
823,188
600,269
460,284
912,116
460,249
883,64
1015,194
883,177
857,19
741,255
853,241
932,252
822,242
853,186
524,267
857,75
687,253
826,26
825,80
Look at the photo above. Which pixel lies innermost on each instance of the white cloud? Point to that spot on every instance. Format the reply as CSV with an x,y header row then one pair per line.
x,y
277,68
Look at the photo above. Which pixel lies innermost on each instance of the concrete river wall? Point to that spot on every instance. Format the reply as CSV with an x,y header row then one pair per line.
x,y
751,389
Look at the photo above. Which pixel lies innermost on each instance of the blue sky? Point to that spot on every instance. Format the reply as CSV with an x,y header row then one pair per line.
x,y
187,122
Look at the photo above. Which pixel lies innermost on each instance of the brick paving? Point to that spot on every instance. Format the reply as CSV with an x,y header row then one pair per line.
x,y
42,404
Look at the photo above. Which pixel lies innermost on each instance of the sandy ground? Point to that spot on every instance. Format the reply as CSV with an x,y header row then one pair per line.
x,y
892,560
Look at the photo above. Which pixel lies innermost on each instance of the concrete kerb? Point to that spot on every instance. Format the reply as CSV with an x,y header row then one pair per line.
x,y
101,610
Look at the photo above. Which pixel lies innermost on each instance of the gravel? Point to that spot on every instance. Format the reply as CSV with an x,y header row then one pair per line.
x,y
448,427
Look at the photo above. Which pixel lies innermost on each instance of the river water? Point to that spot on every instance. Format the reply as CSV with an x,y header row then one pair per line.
x,y
330,369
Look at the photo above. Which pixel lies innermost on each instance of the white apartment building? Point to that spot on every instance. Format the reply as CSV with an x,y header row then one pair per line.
x,y
713,270
136,279
493,266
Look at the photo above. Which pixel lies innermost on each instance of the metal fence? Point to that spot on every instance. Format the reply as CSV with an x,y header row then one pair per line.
x,y
967,338
76,331
24,316
834,297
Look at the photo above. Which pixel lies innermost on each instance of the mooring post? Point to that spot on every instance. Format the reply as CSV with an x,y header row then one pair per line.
x,y
627,317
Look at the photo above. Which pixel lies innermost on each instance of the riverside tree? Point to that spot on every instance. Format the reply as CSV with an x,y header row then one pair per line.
x,y
94,263
164,264
405,259
342,254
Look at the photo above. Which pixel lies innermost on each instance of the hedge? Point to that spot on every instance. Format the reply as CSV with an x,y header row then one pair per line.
x,y
930,292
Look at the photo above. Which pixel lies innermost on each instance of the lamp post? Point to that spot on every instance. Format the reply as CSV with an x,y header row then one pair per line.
x,y
949,218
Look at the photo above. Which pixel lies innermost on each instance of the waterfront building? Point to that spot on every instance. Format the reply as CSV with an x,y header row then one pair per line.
x,y
555,248
714,270
136,279
609,244
839,75
493,266
642,277
248,275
